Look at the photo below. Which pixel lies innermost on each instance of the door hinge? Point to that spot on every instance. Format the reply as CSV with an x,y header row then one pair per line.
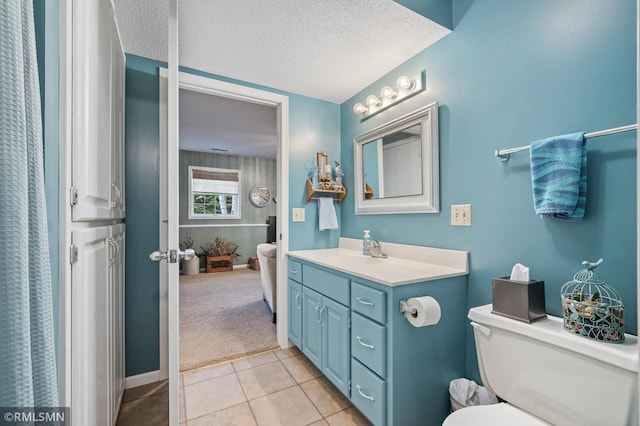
x,y
73,253
73,195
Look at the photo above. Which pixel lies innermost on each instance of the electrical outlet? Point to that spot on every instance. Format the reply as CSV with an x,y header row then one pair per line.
x,y
297,214
461,214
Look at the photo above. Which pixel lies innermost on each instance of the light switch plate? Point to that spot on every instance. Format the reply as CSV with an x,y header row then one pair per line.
x,y
461,214
297,214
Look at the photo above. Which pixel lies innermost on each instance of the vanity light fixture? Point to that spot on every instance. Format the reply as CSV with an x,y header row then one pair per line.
x,y
388,92
405,88
373,101
361,109
405,83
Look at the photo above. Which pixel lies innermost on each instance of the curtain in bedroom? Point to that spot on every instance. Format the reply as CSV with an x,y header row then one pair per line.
x,y
27,351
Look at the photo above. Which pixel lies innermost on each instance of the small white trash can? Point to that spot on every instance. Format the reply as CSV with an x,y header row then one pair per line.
x,y
466,393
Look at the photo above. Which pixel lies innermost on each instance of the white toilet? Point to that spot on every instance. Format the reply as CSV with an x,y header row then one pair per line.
x,y
550,376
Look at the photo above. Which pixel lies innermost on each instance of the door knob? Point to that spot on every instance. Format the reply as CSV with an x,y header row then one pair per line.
x,y
172,256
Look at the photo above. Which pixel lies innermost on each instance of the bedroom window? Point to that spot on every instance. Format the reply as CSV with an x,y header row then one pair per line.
x,y
214,193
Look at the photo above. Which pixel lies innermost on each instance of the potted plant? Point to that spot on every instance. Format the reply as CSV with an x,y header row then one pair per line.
x,y
192,266
220,254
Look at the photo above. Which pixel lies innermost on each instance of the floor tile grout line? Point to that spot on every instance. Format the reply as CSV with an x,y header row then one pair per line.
x,y
210,378
248,401
217,411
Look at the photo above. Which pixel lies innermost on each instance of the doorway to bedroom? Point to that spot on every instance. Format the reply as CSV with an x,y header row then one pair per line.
x,y
227,148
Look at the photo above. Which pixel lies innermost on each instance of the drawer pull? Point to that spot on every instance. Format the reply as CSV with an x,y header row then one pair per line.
x,y
366,345
365,302
293,271
364,395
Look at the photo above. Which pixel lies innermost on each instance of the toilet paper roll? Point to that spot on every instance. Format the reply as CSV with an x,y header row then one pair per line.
x,y
427,311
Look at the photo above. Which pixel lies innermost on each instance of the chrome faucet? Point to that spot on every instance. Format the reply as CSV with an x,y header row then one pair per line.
x,y
376,249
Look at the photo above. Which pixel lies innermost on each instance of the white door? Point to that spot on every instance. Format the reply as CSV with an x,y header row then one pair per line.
x,y
91,398
116,280
169,203
169,154
169,218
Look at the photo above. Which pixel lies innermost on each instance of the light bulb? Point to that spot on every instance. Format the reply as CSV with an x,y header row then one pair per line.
x,y
360,109
405,83
373,101
388,92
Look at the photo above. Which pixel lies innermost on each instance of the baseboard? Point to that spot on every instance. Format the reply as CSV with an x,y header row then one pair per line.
x,y
143,379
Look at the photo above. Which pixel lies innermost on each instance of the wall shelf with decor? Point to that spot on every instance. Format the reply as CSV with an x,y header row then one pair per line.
x,y
313,193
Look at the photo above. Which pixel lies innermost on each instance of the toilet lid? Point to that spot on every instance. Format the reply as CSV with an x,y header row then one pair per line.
x,y
494,415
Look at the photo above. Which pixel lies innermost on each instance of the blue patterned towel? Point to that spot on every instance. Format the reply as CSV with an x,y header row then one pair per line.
x,y
559,177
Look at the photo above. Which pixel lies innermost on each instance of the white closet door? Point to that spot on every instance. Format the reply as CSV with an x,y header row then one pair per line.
x,y
90,327
91,153
98,113
116,278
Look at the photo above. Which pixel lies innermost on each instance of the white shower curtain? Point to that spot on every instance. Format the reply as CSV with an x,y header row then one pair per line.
x,y
27,351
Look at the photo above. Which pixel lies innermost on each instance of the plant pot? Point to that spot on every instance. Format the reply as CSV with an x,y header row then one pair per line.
x,y
219,263
191,267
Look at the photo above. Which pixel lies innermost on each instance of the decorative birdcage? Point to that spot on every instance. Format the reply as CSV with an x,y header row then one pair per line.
x,y
592,308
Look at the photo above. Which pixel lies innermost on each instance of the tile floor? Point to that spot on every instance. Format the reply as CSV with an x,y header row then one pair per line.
x,y
279,387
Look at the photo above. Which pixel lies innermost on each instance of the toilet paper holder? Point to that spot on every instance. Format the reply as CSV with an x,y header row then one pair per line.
x,y
405,307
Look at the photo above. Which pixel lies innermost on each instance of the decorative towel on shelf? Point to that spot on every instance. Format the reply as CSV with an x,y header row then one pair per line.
x,y
327,218
559,177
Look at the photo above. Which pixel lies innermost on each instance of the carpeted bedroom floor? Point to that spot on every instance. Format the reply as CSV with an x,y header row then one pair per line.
x,y
223,316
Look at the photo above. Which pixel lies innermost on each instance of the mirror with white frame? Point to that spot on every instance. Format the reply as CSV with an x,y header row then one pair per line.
x,y
396,165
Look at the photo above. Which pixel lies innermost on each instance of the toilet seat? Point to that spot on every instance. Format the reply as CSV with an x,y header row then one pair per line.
x,y
501,414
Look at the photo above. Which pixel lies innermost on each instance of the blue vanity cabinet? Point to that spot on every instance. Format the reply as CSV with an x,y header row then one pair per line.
x,y
325,336
404,379
294,304
336,356
311,326
319,319
353,331
294,301
369,351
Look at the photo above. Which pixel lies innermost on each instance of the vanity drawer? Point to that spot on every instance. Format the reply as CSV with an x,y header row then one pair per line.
x,y
369,302
294,270
368,393
369,344
327,283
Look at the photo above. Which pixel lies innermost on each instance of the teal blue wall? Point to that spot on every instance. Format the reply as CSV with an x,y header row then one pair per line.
x,y
439,11
513,72
313,126
142,295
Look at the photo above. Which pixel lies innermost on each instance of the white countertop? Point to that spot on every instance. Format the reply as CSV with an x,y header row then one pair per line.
x,y
406,264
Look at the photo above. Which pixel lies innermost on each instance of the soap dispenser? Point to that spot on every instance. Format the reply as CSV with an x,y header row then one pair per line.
x,y
366,243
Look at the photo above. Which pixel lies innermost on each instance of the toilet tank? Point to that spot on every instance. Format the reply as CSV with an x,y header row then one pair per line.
x,y
557,376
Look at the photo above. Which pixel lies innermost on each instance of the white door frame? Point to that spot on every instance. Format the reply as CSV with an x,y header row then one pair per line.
x,y
214,87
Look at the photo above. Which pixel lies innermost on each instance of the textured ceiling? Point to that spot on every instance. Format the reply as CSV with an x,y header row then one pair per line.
x,y
220,125
324,49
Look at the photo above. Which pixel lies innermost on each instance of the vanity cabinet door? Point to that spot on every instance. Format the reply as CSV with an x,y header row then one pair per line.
x,y
294,301
335,339
311,326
